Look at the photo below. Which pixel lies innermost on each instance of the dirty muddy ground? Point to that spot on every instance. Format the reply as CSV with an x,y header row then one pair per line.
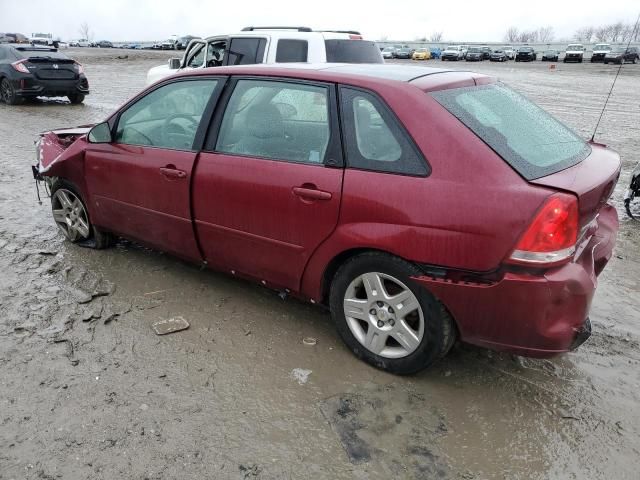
x,y
89,391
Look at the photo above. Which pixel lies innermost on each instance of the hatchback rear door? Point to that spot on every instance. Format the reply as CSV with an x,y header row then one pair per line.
x,y
267,190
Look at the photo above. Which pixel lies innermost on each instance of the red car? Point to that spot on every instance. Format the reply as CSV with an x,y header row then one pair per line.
x,y
420,205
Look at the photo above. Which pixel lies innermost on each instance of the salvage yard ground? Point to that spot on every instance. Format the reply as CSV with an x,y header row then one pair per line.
x,y
88,391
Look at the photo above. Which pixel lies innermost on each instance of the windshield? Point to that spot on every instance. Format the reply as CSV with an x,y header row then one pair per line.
x,y
452,47
421,50
474,50
575,47
602,47
388,49
619,49
498,51
352,51
526,49
529,139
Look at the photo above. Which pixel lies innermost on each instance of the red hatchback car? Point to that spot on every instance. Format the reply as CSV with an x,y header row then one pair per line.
x,y
421,205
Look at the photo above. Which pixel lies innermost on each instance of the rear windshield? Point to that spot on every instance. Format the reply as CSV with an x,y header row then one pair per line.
x,y
30,53
352,51
529,139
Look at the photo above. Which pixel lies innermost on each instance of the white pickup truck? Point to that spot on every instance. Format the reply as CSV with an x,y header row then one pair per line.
x,y
271,45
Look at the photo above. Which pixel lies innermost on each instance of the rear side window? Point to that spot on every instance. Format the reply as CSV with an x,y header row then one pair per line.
x,y
291,51
529,139
352,51
374,139
276,120
246,51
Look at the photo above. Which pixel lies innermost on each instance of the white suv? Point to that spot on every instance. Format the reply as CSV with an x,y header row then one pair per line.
x,y
271,45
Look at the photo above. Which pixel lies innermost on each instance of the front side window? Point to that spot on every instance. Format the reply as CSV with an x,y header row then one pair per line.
x,y
276,120
374,139
529,139
215,53
168,117
196,59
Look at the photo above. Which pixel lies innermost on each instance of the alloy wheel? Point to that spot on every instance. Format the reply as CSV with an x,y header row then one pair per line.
x,y
70,215
384,315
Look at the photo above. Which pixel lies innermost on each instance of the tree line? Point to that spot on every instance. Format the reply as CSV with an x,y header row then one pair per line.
x,y
614,32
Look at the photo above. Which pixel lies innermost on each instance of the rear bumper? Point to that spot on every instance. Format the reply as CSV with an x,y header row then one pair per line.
x,y
536,315
33,87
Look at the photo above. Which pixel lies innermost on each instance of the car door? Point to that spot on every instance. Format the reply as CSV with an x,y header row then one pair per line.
x,y
268,186
139,183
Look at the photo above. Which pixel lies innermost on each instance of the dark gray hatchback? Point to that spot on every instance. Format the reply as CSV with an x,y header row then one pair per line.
x,y
29,72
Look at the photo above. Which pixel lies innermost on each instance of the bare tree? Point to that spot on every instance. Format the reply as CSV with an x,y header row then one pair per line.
x,y
512,35
421,39
616,30
84,30
545,34
584,34
436,37
602,33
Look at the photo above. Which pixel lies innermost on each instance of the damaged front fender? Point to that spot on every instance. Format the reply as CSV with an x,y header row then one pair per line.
x,y
56,145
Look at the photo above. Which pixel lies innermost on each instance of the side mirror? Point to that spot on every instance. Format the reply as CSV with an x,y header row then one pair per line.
x,y
100,133
174,63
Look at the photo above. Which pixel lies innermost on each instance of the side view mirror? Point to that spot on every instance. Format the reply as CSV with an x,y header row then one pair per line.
x,y
174,63
100,133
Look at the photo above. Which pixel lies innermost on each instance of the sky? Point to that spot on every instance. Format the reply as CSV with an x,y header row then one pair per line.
x,y
147,20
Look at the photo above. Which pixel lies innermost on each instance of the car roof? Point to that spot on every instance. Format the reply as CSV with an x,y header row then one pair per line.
x,y
425,78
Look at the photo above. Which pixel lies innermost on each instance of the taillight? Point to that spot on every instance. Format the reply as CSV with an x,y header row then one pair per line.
x,y
353,36
20,66
79,67
551,238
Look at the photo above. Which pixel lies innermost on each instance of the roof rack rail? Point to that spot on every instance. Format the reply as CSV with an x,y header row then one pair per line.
x,y
299,29
350,32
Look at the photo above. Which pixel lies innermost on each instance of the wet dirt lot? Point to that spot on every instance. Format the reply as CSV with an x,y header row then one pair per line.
x,y
88,391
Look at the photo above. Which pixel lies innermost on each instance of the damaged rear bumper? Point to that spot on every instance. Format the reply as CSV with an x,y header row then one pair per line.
x,y
528,313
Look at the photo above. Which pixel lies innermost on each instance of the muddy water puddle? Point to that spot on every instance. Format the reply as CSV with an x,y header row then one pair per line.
x,y
88,390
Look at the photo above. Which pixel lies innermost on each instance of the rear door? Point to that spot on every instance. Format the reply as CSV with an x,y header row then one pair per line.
x,y
139,184
267,191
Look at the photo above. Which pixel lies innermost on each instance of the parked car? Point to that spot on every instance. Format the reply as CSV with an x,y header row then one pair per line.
x,y
103,44
404,53
170,44
599,52
474,54
453,52
550,56
465,49
435,52
486,52
182,42
574,53
498,56
632,195
526,54
506,258
28,72
421,54
388,52
622,54
269,45
509,51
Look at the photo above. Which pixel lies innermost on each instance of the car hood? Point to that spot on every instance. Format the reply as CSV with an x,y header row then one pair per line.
x,y
158,73
51,145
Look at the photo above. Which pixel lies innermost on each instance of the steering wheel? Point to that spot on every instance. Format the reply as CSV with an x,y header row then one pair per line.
x,y
168,124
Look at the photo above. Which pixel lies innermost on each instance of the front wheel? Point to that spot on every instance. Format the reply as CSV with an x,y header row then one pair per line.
x,y
385,318
71,216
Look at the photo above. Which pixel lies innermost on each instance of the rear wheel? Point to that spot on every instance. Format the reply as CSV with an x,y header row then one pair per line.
x,y
8,93
71,216
76,98
385,318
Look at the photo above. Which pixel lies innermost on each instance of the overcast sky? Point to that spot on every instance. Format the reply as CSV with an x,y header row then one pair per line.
x,y
487,20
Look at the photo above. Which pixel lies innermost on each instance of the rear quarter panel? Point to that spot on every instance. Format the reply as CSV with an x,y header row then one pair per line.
x,y
467,214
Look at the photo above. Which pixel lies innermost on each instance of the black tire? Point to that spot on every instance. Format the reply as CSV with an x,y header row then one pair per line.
x,y
439,329
97,238
76,98
8,93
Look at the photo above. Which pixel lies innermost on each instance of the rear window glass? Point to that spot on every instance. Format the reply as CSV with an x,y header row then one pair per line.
x,y
40,53
352,51
291,51
529,139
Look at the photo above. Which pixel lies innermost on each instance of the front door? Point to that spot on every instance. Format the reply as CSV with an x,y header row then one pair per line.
x,y
268,191
139,184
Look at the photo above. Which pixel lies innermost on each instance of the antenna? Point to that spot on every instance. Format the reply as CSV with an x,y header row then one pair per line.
x,y
633,33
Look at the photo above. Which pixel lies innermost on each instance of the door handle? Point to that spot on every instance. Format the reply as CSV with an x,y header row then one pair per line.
x,y
172,172
311,193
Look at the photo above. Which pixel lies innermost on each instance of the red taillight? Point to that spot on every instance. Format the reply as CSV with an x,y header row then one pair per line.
x,y
551,238
79,68
20,66
353,36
